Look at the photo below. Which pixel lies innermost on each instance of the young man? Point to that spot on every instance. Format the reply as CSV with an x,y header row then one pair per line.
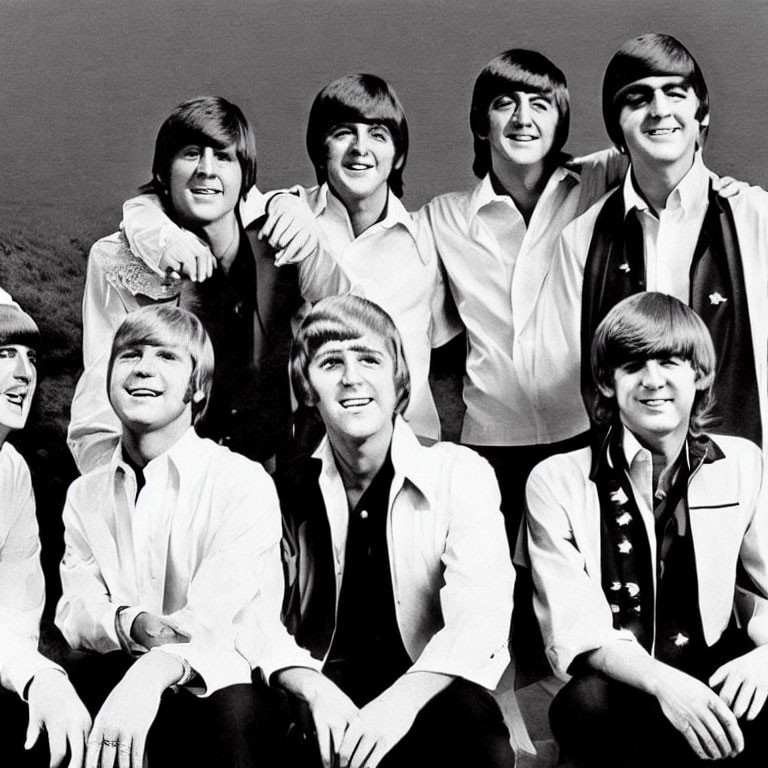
x,y
357,139
399,578
496,242
664,229
164,545
25,675
642,547
203,170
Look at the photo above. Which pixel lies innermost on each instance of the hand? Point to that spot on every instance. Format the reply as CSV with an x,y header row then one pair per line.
x,y
727,186
187,256
290,228
119,733
55,707
378,727
332,710
744,683
153,631
709,727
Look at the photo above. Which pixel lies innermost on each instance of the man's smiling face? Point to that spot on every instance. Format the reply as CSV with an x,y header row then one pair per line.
x,y
18,378
658,120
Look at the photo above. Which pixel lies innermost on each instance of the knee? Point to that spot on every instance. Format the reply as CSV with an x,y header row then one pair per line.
x,y
581,707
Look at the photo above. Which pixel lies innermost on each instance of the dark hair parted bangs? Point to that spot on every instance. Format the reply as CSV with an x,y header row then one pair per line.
x,y
358,98
345,318
208,121
167,325
17,327
516,70
649,55
650,326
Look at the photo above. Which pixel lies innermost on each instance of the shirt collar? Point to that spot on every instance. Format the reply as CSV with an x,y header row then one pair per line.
x,y
182,455
484,193
326,201
690,194
411,461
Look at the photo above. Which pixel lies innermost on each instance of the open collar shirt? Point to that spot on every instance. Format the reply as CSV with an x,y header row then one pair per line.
x,y
496,266
196,545
552,370
22,588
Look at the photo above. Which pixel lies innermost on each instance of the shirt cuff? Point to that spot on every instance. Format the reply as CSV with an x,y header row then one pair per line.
x,y
124,618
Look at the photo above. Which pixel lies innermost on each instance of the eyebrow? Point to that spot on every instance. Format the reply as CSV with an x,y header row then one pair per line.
x,y
353,348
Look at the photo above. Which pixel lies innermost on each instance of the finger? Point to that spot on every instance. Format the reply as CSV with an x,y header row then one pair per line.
x,y
283,232
76,749
325,744
93,751
362,754
57,745
108,753
758,702
743,700
730,689
374,756
124,754
708,743
137,752
33,732
719,676
722,728
349,744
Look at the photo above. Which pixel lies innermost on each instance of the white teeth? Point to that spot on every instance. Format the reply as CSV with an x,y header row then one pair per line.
x,y
200,191
356,402
142,393
523,138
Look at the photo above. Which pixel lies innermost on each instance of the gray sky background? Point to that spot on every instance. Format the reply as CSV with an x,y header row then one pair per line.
x,y
86,83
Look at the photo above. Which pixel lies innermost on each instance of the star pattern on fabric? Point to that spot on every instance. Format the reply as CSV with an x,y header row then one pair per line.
x,y
623,519
618,497
680,640
625,546
715,298
625,268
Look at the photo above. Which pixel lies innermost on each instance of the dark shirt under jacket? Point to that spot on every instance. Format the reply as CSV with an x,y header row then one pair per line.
x,y
367,653
247,312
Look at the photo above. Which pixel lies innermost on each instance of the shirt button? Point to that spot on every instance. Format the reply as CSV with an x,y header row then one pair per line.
x,y
364,515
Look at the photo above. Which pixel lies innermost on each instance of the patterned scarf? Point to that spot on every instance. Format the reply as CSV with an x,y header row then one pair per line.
x,y
615,269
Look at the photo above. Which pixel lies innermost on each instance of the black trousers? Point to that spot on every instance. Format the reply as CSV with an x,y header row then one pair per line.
x,y
231,727
601,723
461,727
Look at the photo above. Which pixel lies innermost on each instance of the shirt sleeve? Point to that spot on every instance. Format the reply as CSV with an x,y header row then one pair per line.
x,y
478,579
446,323
570,604
23,589
86,613
149,229
235,571
752,589
94,428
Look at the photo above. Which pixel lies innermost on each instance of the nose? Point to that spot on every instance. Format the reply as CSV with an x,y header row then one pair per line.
x,y
351,373
360,143
522,115
659,103
145,365
653,377
205,163
24,370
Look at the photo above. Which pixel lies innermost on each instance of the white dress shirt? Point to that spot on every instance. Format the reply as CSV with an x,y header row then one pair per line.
x,y
22,589
553,372
197,545
451,572
726,501
495,266
393,264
